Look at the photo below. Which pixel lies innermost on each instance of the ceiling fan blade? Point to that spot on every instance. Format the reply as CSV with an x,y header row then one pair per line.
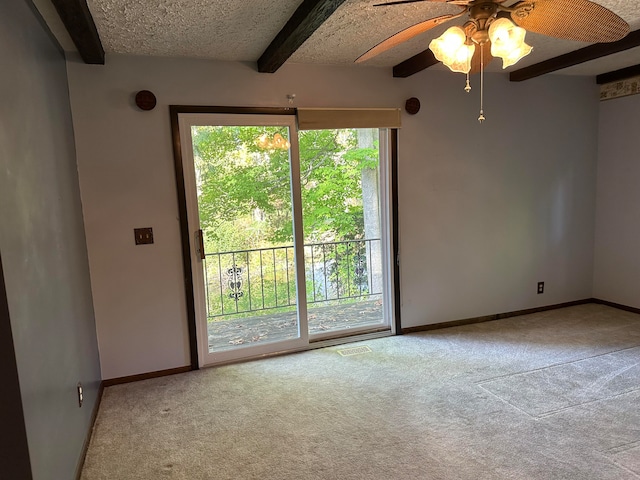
x,y
476,60
580,20
406,34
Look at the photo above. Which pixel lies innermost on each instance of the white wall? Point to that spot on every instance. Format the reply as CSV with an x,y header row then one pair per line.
x,y
486,211
617,262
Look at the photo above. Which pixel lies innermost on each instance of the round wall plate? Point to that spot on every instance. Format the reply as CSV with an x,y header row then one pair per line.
x,y
145,100
412,106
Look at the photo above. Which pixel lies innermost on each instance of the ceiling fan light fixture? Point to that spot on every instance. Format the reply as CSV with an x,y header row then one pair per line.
x,y
453,50
507,42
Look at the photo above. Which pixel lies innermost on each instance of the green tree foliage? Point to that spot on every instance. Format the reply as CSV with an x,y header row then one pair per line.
x,y
244,189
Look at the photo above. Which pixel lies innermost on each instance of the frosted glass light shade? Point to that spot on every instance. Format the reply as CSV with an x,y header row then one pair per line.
x,y
278,142
451,48
507,42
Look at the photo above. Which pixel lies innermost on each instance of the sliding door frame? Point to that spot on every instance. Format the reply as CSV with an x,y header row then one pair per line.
x,y
175,111
395,240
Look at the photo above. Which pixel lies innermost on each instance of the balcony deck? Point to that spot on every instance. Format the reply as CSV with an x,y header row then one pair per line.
x,y
269,327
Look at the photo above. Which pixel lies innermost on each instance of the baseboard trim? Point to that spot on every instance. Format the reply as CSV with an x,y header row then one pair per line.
x,y
87,440
497,316
616,305
145,376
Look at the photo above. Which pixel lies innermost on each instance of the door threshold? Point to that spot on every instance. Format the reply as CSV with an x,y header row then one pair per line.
x,y
332,342
350,334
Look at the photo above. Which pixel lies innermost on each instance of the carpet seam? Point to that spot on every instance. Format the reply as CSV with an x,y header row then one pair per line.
x,y
504,400
624,468
589,402
623,448
509,375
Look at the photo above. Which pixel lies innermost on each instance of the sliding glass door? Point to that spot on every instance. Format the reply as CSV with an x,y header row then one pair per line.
x,y
288,232
344,247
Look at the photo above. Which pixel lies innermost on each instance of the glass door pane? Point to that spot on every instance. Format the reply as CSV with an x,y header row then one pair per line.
x,y
246,267
343,231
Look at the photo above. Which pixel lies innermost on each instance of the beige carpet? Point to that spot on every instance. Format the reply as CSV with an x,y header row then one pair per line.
x,y
554,395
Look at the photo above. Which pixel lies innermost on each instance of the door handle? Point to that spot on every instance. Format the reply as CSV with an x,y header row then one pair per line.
x,y
200,247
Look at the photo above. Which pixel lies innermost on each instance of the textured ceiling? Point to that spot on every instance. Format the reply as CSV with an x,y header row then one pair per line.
x,y
240,30
222,30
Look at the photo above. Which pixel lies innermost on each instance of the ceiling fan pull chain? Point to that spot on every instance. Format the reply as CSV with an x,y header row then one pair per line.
x,y
481,117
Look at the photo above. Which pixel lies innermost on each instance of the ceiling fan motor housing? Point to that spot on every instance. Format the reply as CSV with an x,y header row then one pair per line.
x,y
483,10
482,14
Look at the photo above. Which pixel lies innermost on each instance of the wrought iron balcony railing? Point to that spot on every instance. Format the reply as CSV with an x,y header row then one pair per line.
x,y
247,281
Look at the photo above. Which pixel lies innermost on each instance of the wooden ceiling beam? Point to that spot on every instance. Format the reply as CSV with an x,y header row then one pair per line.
x,y
305,20
618,75
415,64
586,54
77,19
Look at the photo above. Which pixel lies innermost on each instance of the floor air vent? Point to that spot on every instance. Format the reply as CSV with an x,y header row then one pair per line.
x,y
347,352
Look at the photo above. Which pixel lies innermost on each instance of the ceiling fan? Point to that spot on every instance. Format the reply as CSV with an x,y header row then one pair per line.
x,y
490,26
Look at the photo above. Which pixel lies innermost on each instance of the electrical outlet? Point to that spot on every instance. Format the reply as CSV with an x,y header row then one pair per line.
x,y
540,287
80,395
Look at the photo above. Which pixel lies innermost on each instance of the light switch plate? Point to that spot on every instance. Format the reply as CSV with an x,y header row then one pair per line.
x,y
144,236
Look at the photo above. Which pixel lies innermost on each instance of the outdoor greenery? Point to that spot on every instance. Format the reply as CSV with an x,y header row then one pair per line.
x,y
244,189
244,202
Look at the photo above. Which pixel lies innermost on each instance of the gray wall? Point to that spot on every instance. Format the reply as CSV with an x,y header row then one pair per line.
x,y
487,211
617,262
43,246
